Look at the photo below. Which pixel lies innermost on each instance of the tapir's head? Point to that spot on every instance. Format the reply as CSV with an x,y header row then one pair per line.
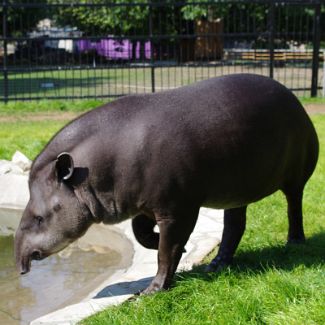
x,y
54,217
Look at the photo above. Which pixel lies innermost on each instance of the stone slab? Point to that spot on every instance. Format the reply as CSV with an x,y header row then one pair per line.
x,y
14,191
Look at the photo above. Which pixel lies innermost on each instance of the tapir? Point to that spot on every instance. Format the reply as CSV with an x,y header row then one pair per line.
x,y
157,158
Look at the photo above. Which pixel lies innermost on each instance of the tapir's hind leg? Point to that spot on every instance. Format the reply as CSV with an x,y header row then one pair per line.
x,y
296,230
234,227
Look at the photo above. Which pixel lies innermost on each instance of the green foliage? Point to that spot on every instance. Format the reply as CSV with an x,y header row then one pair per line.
x,y
22,20
121,17
117,19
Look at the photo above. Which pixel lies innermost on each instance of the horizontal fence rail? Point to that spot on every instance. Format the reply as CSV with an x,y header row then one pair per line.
x,y
104,49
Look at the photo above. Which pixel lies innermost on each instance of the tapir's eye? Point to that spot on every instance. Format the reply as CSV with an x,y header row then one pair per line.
x,y
39,220
57,207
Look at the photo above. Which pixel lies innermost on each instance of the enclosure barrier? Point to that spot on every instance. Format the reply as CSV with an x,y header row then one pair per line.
x,y
52,49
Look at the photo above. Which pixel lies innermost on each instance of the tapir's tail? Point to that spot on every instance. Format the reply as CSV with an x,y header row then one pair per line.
x,y
143,229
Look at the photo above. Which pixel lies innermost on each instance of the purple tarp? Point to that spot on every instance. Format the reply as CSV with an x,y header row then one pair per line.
x,y
114,49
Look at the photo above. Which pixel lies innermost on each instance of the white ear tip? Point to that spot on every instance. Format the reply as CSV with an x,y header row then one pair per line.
x,y
64,153
65,165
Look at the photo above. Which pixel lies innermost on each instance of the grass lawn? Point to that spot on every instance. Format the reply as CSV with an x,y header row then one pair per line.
x,y
111,81
55,106
312,100
268,284
27,137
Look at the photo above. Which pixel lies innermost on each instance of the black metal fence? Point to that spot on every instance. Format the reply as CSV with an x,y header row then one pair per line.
x,y
99,49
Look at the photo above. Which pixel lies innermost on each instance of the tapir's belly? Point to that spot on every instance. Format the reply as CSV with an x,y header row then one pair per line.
x,y
248,175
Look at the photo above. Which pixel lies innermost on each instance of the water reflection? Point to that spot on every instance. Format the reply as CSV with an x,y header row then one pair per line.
x,y
52,283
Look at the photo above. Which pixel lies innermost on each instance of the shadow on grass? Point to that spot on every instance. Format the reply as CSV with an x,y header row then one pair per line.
x,y
252,261
280,257
286,257
34,86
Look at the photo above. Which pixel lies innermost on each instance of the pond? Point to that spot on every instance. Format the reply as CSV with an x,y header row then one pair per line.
x,y
61,279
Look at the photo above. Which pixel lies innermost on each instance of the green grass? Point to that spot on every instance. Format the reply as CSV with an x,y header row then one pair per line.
x,y
80,83
110,81
312,100
27,137
268,284
30,137
13,108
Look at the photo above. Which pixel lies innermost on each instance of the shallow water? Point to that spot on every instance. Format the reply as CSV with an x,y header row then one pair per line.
x,y
52,283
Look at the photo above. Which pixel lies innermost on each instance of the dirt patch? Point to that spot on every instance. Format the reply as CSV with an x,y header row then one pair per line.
x,y
315,108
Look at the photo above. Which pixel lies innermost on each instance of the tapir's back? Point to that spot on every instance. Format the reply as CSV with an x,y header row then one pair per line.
x,y
229,140
238,137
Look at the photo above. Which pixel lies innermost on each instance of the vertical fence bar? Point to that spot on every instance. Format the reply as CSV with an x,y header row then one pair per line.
x,y
5,50
324,73
152,60
316,46
271,22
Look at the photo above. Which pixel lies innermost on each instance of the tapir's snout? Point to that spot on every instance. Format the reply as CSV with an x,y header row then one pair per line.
x,y
25,252
23,261
22,255
24,265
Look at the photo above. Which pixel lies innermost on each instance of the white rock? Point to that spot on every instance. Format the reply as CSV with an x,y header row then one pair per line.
x,y
22,161
14,192
5,167
8,167
5,231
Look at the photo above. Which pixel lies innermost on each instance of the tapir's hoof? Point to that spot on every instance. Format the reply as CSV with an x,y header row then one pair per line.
x,y
296,241
150,290
217,265
153,288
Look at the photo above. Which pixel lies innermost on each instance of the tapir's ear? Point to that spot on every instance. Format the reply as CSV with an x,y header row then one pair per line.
x,y
64,166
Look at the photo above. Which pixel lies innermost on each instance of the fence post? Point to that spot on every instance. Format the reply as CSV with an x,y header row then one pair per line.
x,y
271,37
324,73
152,60
316,46
5,50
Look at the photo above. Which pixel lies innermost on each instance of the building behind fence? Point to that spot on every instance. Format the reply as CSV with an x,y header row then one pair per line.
x,y
103,49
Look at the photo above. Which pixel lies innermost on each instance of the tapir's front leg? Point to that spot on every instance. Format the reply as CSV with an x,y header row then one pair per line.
x,y
174,233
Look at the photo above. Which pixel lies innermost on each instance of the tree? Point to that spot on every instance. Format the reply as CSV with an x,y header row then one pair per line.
x,y
121,18
21,19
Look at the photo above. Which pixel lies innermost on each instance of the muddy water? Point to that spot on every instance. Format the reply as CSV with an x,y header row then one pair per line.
x,y
54,282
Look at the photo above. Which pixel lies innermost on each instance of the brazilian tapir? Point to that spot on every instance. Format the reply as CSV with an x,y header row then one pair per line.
x,y
221,143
